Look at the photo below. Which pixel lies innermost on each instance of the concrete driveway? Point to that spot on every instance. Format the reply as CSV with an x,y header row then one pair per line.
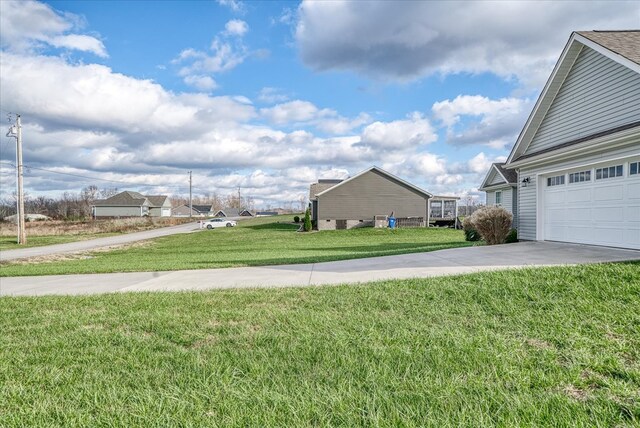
x,y
73,247
436,263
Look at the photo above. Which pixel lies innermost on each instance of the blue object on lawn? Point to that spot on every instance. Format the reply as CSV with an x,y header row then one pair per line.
x,y
392,222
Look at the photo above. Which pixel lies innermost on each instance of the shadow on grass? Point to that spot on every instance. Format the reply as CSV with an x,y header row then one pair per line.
x,y
273,226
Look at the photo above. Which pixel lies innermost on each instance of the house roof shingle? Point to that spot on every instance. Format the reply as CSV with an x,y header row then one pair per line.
x,y
321,186
157,200
132,199
123,199
625,43
509,174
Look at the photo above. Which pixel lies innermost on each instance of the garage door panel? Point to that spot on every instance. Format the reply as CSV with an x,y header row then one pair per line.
x,y
600,212
579,195
609,193
578,214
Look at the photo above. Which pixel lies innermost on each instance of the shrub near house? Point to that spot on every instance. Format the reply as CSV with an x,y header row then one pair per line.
x,y
492,223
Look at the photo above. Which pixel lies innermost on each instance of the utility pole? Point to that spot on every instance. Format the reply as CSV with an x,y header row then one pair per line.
x,y
239,199
190,200
16,132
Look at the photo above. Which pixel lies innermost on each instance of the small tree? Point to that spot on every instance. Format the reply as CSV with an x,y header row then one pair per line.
x,y
492,223
307,220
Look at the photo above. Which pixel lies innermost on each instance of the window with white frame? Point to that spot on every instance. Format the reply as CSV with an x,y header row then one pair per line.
x,y
555,181
579,177
498,198
609,172
634,168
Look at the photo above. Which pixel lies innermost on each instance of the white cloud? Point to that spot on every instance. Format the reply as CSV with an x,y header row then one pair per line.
x,y
29,25
236,27
494,123
399,134
480,163
412,39
291,112
305,112
203,83
235,5
271,95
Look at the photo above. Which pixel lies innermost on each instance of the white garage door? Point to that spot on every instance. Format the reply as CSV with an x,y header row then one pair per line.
x,y
592,209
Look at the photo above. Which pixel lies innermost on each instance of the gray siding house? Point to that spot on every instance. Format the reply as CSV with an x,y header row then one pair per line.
x,y
356,201
132,204
578,157
501,187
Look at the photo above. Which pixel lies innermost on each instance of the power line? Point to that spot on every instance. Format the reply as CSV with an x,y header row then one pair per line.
x,y
112,181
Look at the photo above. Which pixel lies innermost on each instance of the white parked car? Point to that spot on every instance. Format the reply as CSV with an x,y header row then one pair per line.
x,y
218,222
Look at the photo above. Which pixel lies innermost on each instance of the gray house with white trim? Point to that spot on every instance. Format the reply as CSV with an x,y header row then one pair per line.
x,y
501,187
578,157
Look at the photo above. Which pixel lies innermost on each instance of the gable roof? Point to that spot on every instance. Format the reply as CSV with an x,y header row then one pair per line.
x,y
383,172
623,43
132,199
619,46
202,208
508,176
124,199
229,212
321,186
157,200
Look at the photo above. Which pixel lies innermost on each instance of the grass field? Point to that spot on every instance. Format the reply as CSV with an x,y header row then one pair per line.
x,y
257,242
555,347
50,232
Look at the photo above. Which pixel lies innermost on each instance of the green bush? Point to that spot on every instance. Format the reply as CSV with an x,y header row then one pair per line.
x,y
511,237
296,219
470,234
307,220
492,223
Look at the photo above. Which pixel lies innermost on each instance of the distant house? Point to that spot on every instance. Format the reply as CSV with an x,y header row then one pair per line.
x,y
233,212
501,187
132,204
197,211
359,200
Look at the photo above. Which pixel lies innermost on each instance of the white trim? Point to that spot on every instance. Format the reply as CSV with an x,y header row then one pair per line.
x,y
383,172
607,142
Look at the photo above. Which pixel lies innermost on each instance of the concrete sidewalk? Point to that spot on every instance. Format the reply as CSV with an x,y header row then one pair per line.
x,y
436,263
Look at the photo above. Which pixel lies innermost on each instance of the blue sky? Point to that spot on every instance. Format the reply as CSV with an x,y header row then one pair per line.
x,y
271,96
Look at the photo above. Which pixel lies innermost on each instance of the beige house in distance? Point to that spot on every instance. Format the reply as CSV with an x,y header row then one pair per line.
x,y
357,201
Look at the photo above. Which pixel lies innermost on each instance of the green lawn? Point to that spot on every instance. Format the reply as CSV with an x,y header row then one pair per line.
x,y
262,241
556,347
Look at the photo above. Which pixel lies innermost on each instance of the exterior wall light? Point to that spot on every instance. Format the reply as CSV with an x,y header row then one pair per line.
x,y
525,181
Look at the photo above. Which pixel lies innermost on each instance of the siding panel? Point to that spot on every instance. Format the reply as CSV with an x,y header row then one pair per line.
x,y
369,195
597,95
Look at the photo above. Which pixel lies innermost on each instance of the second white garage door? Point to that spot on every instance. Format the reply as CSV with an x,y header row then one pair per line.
x,y
598,211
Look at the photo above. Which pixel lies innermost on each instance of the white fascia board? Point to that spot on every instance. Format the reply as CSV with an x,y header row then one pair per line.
x,y
497,187
606,142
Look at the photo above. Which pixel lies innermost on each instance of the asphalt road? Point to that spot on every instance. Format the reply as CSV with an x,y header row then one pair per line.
x,y
92,244
436,263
